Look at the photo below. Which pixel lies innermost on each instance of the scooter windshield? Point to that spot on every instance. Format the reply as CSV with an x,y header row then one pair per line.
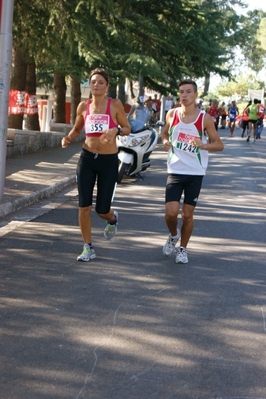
x,y
142,114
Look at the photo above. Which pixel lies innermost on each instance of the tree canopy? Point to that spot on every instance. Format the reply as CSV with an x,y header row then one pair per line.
x,y
161,41
164,40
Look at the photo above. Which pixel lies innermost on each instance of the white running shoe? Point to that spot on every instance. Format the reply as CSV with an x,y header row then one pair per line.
x,y
181,256
88,253
170,244
111,229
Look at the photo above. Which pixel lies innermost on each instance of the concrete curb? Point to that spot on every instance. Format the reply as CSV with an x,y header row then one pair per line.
x,y
12,206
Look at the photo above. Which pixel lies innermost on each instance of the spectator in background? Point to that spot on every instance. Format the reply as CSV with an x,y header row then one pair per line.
x,y
156,104
138,115
149,106
200,104
148,103
169,104
261,115
259,128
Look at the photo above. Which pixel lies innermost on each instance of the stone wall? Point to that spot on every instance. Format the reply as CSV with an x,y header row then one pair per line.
x,y
20,142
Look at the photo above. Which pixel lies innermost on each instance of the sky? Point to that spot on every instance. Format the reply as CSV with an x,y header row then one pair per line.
x,y
253,4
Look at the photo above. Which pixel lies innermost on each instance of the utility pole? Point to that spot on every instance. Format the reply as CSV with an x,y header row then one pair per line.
x,y
6,22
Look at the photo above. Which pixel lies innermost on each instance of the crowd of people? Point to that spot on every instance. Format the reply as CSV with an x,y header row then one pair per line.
x,y
154,105
250,119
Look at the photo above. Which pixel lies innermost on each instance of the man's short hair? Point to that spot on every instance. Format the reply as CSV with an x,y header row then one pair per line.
x,y
188,82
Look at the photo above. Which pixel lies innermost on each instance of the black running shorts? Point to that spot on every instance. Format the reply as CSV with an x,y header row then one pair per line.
x,y
177,184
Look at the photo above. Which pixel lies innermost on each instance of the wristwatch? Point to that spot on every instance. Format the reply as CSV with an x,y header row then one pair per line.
x,y
119,131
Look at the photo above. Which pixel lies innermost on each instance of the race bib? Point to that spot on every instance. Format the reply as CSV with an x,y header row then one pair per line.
x,y
97,123
183,142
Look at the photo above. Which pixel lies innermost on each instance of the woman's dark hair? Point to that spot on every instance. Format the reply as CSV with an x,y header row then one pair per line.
x,y
100,71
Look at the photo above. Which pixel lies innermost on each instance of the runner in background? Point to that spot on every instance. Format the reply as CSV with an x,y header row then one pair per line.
x,y
245,118
232,114
253,119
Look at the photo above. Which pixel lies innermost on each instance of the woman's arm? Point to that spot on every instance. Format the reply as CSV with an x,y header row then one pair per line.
x,y
119,116
122,119
78,126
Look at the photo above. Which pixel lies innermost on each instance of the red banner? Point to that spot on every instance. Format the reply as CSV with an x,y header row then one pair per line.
x,y
21,102
31,104
16,102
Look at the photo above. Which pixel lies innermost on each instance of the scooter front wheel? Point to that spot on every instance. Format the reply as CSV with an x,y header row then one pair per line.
x,y
122,170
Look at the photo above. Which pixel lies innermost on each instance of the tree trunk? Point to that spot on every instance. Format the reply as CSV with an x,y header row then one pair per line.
x,y
75,98
207,78
141,85
59,98
132,94
112,90
121,92
17,82
31,121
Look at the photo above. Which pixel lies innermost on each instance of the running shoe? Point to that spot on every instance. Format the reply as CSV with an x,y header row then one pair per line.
x,y
88,253
170,244
111,229
181,256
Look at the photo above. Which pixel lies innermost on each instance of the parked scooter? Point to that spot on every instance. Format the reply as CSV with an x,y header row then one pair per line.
x,y
135,150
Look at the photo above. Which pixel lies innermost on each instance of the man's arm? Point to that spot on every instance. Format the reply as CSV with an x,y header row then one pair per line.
x,y
215,142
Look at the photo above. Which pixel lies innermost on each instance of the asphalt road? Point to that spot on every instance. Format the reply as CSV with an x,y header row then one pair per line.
x,y
132,324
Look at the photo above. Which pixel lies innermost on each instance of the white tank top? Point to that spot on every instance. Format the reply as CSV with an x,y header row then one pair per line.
x,y
183,157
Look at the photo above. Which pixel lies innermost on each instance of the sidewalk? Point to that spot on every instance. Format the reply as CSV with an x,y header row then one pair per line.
x,y
32,177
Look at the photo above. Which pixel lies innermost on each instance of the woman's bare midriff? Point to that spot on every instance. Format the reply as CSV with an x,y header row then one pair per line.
x,y
93,144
